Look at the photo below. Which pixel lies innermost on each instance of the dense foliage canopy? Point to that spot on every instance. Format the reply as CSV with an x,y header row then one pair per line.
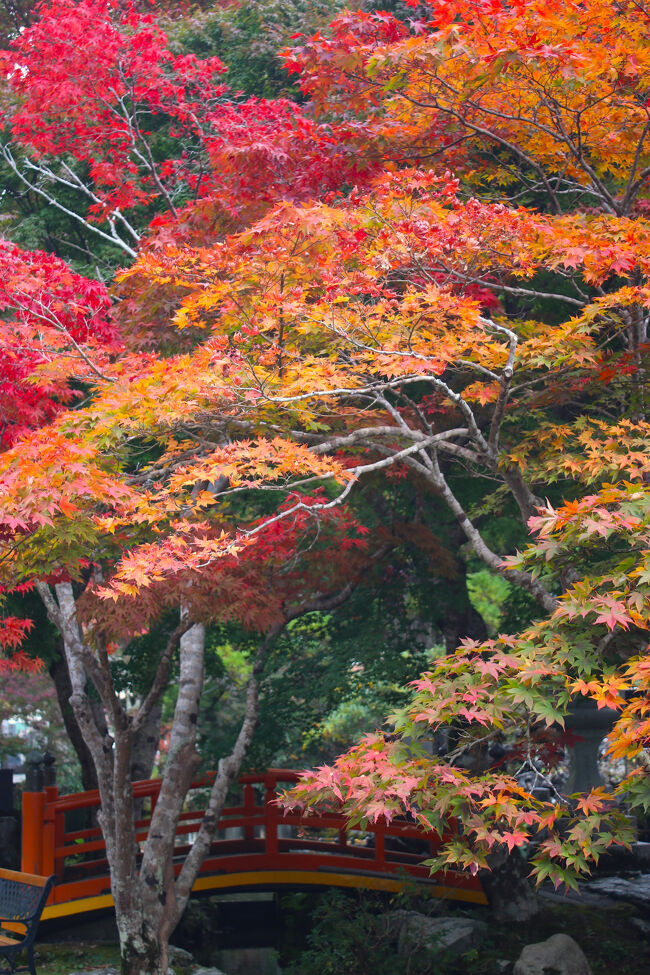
x,y
367,337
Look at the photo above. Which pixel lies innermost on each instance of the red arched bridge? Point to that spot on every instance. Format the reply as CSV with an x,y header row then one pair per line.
x,y
256,847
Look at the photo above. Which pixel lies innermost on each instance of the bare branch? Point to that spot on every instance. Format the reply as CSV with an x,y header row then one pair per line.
x,y
113,238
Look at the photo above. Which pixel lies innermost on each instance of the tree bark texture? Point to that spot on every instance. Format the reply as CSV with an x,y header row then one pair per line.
x,y
58,671
149,901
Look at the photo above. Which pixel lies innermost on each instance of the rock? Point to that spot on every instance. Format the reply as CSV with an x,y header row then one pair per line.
x,y
99,971
207,971
642,926
636,890
179,956
455,935
558,954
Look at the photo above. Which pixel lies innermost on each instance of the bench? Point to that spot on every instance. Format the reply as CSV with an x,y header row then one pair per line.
x,y
22,899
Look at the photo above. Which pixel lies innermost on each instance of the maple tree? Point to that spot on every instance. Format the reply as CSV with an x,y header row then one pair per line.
x,y
606,339
116,172
442,84
100,108
57,330
56,316
424,334
573,135
405,328
311,273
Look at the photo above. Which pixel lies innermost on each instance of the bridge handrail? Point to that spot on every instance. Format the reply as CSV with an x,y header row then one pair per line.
x,y
47,844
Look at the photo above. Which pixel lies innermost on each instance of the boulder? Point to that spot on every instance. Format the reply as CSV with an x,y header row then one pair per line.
x,y
558,955
99,971
635,890
641,925
180,957
454,935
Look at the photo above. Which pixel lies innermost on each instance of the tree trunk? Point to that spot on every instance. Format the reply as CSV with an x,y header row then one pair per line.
x,y
146,745
141,953
58,671
510,892
149,900
158,888
461,620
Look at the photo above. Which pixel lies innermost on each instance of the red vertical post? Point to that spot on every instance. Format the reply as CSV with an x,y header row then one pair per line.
x,y
249,812
59,841
49,832
51,793
57,818
380,842
271,820
32,833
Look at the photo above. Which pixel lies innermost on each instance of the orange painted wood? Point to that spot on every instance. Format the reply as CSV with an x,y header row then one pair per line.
x,y
32,832
323,842
34,880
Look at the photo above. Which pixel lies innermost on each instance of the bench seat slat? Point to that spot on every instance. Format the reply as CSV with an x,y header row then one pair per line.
x,y
31,879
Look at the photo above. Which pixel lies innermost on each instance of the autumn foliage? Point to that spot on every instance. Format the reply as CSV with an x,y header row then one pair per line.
x,y
97,83
57,326
436,269
554,93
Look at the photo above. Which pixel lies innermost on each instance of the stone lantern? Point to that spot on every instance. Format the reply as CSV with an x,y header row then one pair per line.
x,y
589,725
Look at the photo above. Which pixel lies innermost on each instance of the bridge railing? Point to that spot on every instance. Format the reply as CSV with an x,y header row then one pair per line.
x,y
251,836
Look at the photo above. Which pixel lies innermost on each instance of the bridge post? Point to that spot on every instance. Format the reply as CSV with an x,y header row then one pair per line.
x,y
380,842
59,841
33,804
48,836
32,838
51,794
249,811
271,820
